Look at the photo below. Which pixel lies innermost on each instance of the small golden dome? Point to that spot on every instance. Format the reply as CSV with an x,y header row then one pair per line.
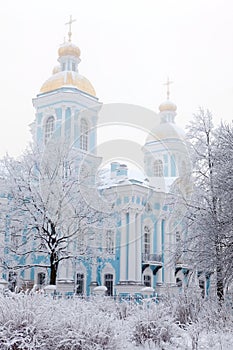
x,y
68,78
68,49
167,106
56,69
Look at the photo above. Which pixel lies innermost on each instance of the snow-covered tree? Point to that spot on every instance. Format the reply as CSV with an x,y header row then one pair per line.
x,y
53,206
224,180
208,244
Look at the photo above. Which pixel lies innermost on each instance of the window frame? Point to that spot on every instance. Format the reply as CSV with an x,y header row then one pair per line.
x,y
158,168
84,135
108,282
146,240
109,241
147,280
39,279
80,282
49,128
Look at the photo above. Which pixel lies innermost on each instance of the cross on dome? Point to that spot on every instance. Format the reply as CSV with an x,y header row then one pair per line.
x,y
69,23
168,83
168,106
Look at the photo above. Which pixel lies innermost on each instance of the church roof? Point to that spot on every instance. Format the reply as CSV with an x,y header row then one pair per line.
x,y
166,131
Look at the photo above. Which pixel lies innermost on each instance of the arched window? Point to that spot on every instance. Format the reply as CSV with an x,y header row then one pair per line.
x,y
147,280
84,135
84,173
12,279
147,242
158,168
178,238
178,282
148,208
49,128
80,283
109,242
108,282
41,278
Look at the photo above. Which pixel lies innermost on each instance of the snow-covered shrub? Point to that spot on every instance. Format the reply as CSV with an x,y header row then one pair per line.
x,y
21,321
21,337
185,307
37,322
84,328
30,322
155,325
125,309
200,317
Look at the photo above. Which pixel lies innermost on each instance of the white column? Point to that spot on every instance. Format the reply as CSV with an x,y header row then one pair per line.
x,y
159,248
171,247
94,270
123,248
159,237
166,252
138,261
132,247
63,123
72,140
62,270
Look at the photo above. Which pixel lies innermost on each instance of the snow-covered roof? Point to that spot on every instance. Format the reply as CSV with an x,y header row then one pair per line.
x,y
106,180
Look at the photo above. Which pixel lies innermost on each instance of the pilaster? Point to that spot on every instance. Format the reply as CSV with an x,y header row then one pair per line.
x,y
123,246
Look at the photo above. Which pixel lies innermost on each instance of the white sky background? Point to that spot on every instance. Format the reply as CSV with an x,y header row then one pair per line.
x,y
128,48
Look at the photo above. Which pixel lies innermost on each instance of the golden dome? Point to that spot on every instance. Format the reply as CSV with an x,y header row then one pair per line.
x,y
167,106
166,131
68,78
68,49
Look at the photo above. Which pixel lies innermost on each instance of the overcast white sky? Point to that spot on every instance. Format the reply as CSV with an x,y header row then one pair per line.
x,y
128,48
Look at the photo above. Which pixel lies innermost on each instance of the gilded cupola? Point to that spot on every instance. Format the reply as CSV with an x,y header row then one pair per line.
x,y
66,74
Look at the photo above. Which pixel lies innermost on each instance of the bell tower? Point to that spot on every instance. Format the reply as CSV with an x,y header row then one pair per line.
x,y
66,105
165,151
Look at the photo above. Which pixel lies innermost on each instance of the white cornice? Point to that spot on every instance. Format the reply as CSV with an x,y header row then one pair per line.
x,y
72,96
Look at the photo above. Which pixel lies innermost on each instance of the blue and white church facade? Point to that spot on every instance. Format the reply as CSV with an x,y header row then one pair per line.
x,y
137,250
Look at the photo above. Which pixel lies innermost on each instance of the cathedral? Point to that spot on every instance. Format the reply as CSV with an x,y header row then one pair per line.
x,y
136,257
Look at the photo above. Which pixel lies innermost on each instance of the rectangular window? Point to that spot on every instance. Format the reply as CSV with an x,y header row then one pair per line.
x,y
80,283
147,240
108,282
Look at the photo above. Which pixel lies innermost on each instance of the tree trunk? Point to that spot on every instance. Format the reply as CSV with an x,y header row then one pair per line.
x,y
220,287
53,268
